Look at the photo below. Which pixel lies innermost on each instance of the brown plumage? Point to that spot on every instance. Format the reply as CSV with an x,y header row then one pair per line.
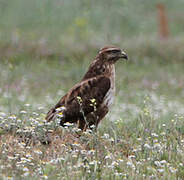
x,y
88,101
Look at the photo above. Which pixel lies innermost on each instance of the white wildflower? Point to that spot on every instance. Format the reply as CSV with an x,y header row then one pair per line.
x,y
38,152
25,169
172,169
23,112
59,109
157,146
2,114
157,163
26,174
154,134
163,162
160,170
147,146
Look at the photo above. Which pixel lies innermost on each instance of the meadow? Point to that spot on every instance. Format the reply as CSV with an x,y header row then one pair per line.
x,y
46,47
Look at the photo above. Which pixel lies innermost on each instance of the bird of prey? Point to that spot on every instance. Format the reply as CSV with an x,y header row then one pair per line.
x,y
89,101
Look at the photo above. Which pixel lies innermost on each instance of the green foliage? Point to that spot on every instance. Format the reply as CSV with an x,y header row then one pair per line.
x,y
142,137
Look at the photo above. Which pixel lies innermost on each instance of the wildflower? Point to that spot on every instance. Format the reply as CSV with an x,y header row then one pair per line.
x,y
60,115
13,117
154,134
2,114
28,155
108,156
83,152
68,124
93,100
92,152
120,160
92,126
93,103
74,155
138,163
163,162
11,158
163,125
146,112
19,121
40,108
88,171
105,136
25,169
24,160
10,178
118,174
172,169
45,176
157,163
34,113
163,133
88,132
76,144
26,174
23,112
157,146
114,163
93,162
147,146
130,164
27,105
22,144
77,130
79,99
160,170
62,108
39,170
38,152
131,157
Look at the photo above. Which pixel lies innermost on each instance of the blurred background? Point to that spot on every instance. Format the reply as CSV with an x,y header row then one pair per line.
x,y
46,47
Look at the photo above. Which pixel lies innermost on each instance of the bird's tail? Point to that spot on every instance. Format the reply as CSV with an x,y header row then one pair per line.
x,y
55,113
51,115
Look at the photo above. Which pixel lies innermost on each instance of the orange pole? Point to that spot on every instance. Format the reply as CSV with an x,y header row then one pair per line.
x,y
163,22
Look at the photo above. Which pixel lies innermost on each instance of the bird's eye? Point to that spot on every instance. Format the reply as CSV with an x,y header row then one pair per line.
x,y
114,51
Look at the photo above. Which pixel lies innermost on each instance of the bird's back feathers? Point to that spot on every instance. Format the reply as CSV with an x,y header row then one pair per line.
x,y
84,97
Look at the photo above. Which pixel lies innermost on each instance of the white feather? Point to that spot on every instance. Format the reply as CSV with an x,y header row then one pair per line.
x,y
109,97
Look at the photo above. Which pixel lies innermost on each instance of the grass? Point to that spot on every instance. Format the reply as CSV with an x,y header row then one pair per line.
x,y
142,137
45,48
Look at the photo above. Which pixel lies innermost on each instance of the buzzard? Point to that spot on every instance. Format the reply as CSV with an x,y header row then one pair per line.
x,y
88,101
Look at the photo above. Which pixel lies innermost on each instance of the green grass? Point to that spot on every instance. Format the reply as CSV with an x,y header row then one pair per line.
x,y
46,47
142,136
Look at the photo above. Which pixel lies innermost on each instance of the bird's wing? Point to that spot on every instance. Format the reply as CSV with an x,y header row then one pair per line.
x,y
85,96
89,93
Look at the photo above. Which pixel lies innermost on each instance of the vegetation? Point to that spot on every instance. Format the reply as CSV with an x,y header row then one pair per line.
x,y
46,46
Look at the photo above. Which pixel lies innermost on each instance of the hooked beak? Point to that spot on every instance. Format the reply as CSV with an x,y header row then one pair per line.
x,y
124,55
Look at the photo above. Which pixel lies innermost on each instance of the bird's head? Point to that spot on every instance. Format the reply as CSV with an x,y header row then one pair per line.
x,y
112,54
